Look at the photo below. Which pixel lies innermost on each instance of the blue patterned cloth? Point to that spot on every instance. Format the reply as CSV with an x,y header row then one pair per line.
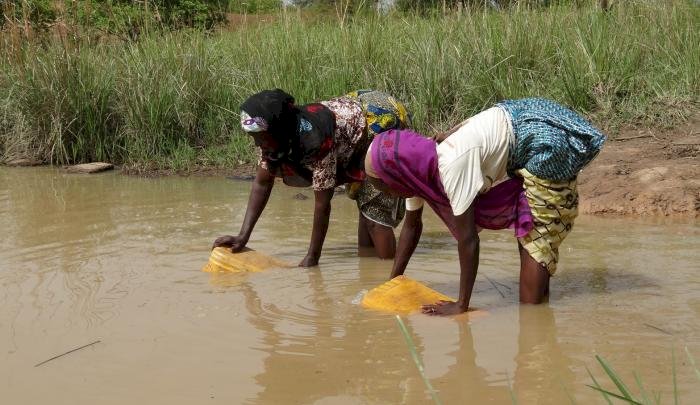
x,y
551,141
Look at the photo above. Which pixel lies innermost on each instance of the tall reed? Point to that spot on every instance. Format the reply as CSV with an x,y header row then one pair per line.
x,y
172,99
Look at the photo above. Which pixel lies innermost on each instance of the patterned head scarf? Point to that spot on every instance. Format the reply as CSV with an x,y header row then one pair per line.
x,y
271,111
253,124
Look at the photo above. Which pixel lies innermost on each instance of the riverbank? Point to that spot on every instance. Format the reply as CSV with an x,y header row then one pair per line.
x,y
168,102
645,172
640,172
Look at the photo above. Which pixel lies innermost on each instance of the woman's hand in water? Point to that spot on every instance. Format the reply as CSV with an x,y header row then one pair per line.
x,y
309,261
443,308
236,243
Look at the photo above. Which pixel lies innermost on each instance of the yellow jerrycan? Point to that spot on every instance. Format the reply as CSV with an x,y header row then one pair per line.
x,y
222,260
402,295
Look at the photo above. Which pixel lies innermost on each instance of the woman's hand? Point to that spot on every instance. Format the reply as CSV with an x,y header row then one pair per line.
x,y
443,308
236,243
309,261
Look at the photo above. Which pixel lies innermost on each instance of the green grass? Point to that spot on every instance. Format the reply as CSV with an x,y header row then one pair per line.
x,y
171,100
644,396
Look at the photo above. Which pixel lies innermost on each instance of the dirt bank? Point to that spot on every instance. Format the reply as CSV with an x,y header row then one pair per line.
x,y
643,172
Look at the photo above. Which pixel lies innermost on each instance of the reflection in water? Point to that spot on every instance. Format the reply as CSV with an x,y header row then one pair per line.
x,y
465,380
336,359
339,356
542,366
493,360
55,223
118,259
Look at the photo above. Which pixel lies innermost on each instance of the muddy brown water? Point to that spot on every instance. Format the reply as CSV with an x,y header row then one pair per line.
x,y
117,259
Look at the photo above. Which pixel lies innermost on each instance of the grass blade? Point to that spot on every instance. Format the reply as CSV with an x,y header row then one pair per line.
x,y
612,394
615,378
416,359
676,400
513,399
597,387
642,391
692,362
568,394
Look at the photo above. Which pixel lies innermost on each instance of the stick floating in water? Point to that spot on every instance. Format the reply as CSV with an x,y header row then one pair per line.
x,y
657,328
68,352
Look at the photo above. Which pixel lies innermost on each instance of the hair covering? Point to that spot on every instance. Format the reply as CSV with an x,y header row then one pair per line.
x,y
408,162
253,124
272,110
302,135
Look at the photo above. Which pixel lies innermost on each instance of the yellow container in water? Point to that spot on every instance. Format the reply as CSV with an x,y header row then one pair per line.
x,y
402,294
248,260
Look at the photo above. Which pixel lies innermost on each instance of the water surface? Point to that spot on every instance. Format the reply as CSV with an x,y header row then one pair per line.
x,y
114,258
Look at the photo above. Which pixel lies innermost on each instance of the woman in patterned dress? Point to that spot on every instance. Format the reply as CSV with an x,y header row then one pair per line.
x,y
322,145
511,166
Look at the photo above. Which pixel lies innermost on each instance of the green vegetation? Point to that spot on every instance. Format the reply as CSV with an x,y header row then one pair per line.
x,y
644,397
116,17
171,98
253,6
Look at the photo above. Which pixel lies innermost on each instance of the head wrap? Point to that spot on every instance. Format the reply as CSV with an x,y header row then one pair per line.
x,y
250,124
272,111
302,135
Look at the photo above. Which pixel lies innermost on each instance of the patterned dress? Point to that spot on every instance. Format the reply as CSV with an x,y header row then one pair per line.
x,y
383,112
358,117
552,144
551,141
350,125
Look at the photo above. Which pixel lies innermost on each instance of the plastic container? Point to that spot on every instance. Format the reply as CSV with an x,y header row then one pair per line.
x,y
402,295
222,260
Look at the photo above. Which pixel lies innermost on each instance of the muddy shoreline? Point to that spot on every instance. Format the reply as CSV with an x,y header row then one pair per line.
x,y
640,171
645,172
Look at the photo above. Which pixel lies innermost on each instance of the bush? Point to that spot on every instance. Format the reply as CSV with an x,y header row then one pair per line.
x,y
253,6
38,12
116,16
